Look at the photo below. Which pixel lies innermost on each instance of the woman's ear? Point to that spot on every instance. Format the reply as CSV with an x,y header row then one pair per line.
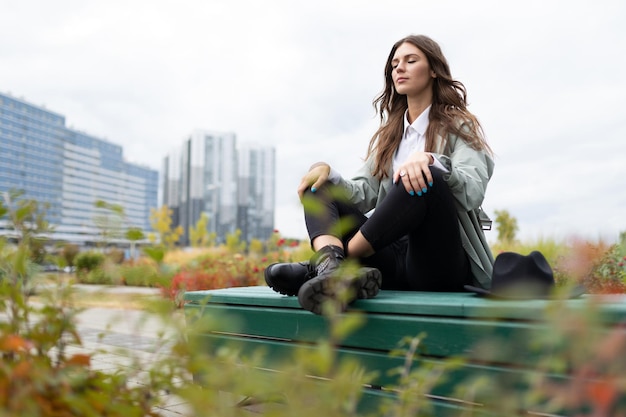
x,y
433,74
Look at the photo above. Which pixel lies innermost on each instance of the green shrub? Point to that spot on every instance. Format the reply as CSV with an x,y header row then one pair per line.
x,y
88,261
106,274
608,274
97,277
142,275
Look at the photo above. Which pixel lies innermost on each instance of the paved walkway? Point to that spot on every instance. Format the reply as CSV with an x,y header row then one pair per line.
x,y
124,338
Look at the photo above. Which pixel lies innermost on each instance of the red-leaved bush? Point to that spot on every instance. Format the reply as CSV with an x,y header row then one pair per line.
x,y
211,272
598,266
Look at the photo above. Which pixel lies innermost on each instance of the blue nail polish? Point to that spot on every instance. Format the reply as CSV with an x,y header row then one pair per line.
x,y
430,184
424,189
313,189
419,193
412,192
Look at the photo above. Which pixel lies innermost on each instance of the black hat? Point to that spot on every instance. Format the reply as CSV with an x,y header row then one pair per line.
x,y
517,276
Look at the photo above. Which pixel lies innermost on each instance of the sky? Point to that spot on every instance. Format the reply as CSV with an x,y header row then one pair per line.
x,y
547,80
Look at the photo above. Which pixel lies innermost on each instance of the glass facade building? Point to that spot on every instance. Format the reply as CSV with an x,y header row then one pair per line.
x,y
234,188
70,170
256,192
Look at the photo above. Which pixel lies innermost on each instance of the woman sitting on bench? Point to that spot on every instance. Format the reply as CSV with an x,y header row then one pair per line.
x,y
412,209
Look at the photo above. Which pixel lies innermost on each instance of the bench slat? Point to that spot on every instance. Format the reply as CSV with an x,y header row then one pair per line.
x,y
418,303
281,353
444,337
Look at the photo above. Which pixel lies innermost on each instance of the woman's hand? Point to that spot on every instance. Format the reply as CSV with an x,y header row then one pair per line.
x,y
315,178
415,173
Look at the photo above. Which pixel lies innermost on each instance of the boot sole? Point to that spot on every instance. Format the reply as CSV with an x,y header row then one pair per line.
x,y
315,292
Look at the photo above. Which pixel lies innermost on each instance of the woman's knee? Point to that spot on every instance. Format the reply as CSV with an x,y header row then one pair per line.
x,y
438,175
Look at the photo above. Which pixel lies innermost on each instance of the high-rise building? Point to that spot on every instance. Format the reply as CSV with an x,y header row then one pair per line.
x,y
70,170
201,177
256,193
234,189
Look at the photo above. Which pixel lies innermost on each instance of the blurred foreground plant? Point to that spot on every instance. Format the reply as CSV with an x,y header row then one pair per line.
x,y
573,365
37,376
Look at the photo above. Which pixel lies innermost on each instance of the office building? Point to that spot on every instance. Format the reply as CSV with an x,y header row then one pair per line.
x,y
69,171
256,192
233,188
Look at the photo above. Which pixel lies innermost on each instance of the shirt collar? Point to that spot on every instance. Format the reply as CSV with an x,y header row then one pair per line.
x,y
420,124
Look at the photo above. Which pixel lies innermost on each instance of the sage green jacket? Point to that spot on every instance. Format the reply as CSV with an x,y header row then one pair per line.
x,y
469,172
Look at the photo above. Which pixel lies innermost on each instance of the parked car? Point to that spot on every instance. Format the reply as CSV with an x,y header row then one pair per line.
x,y
50,268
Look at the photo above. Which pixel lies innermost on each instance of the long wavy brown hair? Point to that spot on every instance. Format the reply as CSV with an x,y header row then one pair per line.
x,y
447,113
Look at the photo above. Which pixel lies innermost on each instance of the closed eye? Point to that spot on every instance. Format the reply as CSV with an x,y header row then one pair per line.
x,y
409,59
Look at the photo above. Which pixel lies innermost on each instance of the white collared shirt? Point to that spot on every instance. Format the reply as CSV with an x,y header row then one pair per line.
x,y
414,140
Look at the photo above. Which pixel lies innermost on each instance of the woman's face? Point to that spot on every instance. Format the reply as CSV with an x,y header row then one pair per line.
x,y
411,73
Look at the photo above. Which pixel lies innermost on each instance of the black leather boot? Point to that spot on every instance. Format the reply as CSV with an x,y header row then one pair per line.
x,y
287,278
314,292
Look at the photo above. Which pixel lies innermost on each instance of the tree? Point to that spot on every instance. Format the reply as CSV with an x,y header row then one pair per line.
x,y
109,219
161,222
27,218
198,234
133,234
256,246
506,225
234,243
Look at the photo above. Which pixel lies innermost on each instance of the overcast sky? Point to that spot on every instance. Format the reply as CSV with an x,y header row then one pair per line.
x,y
547,79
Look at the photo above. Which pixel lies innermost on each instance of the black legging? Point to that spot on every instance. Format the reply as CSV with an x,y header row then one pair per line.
x,y
416,240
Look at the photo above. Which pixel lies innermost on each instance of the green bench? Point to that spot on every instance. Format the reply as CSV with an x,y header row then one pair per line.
x,y
495,339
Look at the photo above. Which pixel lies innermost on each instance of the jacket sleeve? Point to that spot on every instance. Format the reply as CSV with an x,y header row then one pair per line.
x,y
469,171
362,189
